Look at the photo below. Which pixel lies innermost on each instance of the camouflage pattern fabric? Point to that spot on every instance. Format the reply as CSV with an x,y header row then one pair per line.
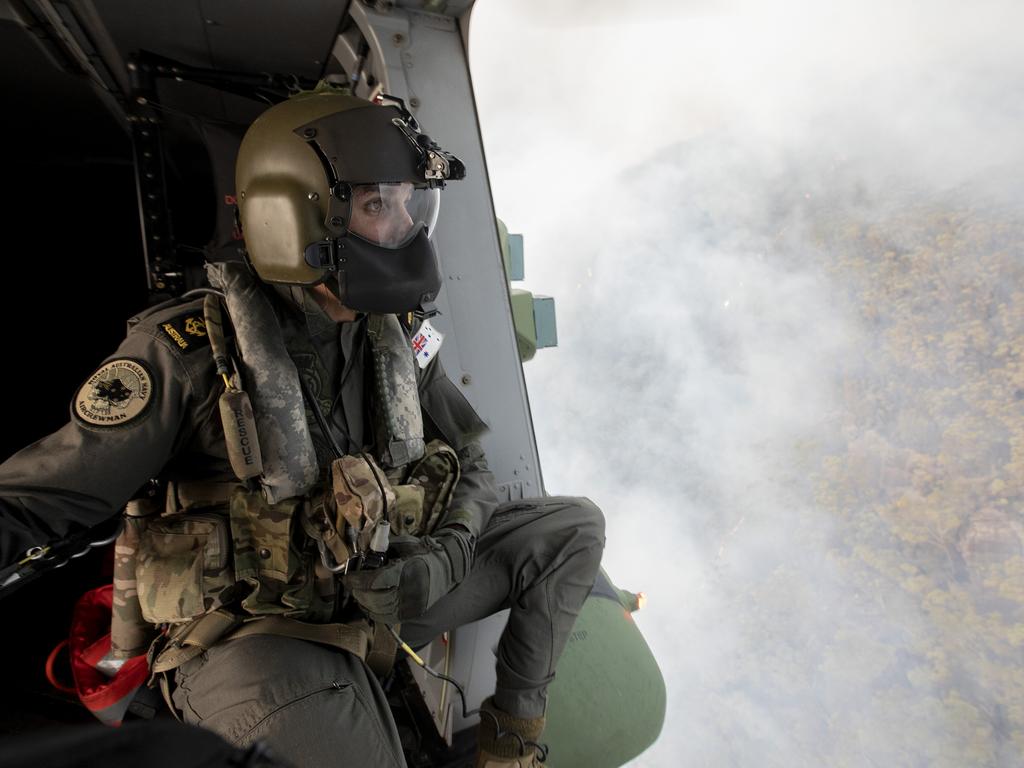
x,y
361,494
280,573
424,497
214,318
437,473
289,460
184,567
399,420
414,507
407,518
130,633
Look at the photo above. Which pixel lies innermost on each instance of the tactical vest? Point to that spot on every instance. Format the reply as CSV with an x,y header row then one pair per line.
x,y
273,543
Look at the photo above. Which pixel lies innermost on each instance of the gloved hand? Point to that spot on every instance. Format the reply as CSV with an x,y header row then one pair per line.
x,y
419,572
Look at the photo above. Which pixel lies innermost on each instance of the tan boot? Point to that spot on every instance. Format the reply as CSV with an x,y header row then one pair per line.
x,y
499,748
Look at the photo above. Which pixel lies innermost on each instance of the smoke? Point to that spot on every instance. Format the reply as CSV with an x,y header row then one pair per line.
x,y
784,242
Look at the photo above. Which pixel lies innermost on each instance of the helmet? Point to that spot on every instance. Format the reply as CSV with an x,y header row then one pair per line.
x,y
336,189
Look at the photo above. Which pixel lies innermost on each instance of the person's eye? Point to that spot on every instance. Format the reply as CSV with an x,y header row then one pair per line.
x,y
374,206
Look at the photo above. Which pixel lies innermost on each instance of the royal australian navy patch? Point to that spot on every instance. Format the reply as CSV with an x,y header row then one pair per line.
x,y
187,332
118,393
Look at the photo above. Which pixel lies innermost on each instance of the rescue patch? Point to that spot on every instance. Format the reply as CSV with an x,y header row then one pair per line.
x,y
187,332
117,394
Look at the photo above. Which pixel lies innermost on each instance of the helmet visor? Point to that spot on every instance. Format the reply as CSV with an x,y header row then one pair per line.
x,y
391,215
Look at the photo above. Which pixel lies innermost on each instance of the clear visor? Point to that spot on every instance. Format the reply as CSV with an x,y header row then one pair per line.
x,y
390,215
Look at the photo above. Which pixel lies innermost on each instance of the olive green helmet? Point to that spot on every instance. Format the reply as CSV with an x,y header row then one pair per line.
x,y
330,185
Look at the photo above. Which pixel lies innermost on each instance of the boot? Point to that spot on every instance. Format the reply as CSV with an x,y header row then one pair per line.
x,y
503,750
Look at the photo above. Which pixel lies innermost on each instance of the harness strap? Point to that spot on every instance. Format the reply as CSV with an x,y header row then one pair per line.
x,y
381,655
354,638
183,495
186,641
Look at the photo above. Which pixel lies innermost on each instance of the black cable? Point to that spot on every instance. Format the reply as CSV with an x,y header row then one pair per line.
x,y
320,419
380,485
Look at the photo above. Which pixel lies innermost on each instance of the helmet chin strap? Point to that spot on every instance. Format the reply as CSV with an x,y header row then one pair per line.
x,y
308,300
293,295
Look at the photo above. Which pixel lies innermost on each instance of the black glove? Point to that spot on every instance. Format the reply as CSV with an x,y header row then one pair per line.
x,y
419,572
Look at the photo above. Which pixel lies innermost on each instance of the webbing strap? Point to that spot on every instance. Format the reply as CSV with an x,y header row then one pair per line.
x,y
376,648
354,638
183,495
187,641
165,690
381,656
214,317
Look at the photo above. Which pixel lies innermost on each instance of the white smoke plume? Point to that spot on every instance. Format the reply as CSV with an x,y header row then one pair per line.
x,y
784,242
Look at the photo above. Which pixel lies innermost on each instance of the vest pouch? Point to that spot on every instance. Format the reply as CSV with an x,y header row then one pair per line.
x,y
407,517
361,494
130,633
184,566
429,486
276,560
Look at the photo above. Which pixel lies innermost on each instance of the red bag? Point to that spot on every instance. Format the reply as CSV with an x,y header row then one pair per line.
x,y
104,685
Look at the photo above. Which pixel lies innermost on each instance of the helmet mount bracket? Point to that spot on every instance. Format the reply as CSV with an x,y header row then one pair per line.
x,y
325,254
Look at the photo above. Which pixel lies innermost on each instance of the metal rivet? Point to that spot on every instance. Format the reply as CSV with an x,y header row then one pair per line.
x,y
309,133
337,221
398,38
467,379
264,554
414,102
314,196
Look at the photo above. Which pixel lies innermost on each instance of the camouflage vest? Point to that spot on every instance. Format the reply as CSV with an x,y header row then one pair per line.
x,y
274,546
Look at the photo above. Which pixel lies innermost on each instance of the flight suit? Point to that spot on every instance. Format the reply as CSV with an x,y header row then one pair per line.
x,y
310,703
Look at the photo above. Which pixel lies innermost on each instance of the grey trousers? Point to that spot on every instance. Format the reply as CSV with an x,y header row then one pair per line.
x,y
318,706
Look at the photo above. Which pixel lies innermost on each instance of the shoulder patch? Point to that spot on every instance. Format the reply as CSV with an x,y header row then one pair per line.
x,y
187,332
118,393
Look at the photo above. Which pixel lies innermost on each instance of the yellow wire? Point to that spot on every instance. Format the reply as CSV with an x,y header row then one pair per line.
x,y
405,646
447,671
411,652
